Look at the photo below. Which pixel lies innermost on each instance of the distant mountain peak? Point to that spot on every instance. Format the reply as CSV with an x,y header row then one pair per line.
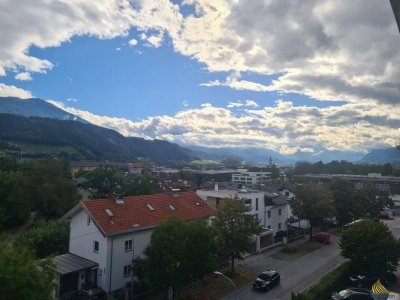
x,y
35,107
382,156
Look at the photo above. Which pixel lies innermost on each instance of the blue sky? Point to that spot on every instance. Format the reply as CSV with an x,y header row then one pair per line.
x,y
292,78
139,81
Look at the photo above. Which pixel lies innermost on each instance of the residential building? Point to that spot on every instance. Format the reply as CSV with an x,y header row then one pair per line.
x,y
139,168
76,166
277,211
105,234
270,207
251,177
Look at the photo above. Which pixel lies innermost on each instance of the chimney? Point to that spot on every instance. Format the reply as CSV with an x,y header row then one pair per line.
x,y
216,187
175,193
119,199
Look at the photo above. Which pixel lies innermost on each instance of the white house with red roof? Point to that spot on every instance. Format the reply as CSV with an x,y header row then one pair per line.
x,y
110,232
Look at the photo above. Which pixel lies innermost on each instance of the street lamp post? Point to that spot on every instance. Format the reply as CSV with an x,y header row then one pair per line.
x,y
135,227
230,280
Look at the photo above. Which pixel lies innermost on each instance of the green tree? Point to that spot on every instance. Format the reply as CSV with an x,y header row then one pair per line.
x,y
275,172
387,169
8,164
15,197
141,185
53,193
179,252
232,162
314,203
103,181
370,246
342,193
235,227
22,277
46,238
368,203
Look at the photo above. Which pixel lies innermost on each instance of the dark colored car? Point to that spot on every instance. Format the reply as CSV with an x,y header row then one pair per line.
x,y
366,280
322,237
266,280
353,294
90,294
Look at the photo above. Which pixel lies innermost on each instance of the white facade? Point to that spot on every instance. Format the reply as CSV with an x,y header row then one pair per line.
x,y
275,217
110,255
271,217
251,177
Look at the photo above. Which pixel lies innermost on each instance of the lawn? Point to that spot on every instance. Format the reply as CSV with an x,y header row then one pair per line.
x,y
291,253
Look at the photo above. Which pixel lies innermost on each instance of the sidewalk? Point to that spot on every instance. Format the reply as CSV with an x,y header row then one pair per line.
x,y
256,259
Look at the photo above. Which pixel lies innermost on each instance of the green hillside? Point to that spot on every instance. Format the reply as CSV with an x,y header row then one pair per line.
x,y
36,137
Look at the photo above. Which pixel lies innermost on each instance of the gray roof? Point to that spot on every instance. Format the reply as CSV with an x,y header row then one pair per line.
x,y
275,199
69,263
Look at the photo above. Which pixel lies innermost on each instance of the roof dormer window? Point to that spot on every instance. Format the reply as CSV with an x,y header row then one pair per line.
x,y
109,212
150,207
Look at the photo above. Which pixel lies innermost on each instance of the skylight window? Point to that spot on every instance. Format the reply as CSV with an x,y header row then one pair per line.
x,y
197,203
109,212
172,207
150,207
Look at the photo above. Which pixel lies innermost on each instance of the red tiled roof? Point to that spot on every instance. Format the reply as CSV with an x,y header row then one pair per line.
x,y
134,210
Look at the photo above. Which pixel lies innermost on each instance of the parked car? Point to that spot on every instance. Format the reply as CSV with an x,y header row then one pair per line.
x,y
366,280
322,237
266,280
353,294
90,294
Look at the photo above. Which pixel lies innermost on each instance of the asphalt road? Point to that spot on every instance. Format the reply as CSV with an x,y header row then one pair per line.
x,y
298,274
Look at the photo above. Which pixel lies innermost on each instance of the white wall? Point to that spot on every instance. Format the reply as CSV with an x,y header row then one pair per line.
x,y
241,195
123,258
81,241
275,218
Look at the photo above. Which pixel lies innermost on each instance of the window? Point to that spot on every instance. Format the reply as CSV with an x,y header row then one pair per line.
x,y
269,214
247,201
150,207
280,212
127,270
256,203
279,226
88,220
95,246
269,226
128,245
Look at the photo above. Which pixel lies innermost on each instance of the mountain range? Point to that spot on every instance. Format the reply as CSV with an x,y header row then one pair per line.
x,y
35,107
47,128
382,156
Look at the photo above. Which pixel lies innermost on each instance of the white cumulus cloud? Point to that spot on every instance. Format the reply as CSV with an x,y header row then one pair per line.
x,y
132,42
284,127
23,76
13,91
